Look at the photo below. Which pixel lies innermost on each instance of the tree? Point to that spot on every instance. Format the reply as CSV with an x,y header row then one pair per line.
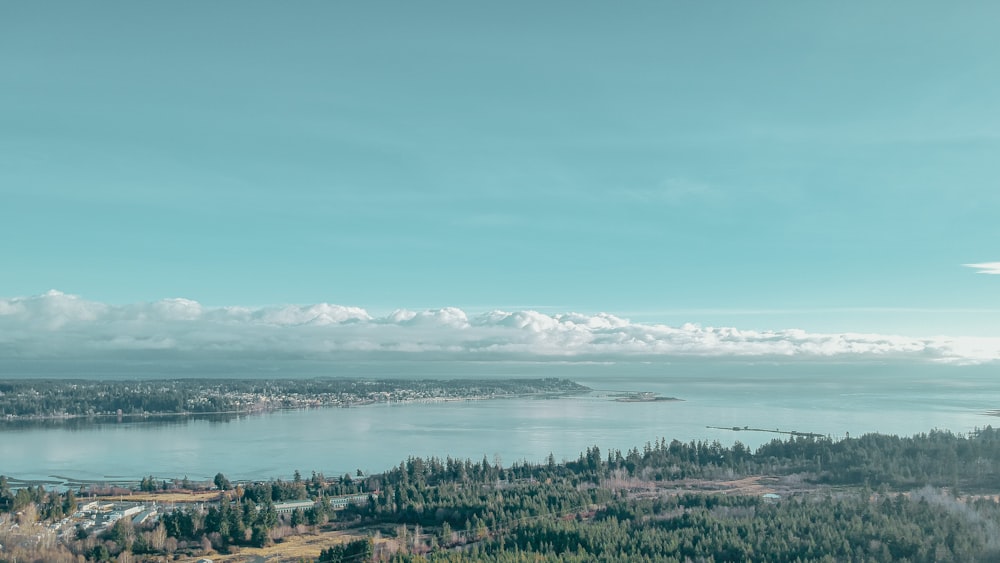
x,y
446,533
28,514
298,517
222,483
123,533
358,550
259,536
268,516
99,553
6,497
69,504
158,537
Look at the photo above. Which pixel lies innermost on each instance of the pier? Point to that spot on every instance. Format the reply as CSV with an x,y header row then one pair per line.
x,y
775,431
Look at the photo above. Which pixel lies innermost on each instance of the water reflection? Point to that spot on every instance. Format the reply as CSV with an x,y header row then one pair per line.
x,y
91,422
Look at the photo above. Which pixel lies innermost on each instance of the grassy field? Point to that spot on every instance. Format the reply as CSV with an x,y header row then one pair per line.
x,y
291,549
167,497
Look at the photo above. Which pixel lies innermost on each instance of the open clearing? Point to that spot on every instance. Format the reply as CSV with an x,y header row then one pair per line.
x,y
164,498
293,548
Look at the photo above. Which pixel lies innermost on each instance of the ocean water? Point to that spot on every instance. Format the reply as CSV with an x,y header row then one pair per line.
x,y
826,398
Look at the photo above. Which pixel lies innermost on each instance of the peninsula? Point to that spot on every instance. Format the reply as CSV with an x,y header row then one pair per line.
x,y
32,399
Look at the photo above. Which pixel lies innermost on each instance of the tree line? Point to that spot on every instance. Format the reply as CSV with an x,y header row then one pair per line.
x,y
874,498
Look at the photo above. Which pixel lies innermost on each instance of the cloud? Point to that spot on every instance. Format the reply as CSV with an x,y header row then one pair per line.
x,y
58,326
985,267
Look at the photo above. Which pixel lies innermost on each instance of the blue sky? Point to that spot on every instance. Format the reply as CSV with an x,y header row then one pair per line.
x,y
763,165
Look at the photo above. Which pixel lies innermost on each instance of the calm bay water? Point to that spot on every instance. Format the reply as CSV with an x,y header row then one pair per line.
x,y
830,399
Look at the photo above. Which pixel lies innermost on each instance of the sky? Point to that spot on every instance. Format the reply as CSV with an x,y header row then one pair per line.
x,y
765,167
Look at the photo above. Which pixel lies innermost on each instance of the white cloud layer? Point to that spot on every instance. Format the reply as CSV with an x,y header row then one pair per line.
x,y
985,267
60,326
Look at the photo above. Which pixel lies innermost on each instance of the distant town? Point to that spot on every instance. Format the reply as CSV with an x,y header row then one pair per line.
x,y
32,399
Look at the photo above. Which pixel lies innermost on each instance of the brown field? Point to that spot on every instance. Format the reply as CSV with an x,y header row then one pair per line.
x,y
292,549
175,497
755,485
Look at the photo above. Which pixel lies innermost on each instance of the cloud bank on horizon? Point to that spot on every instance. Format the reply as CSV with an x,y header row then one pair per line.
x,y
56,325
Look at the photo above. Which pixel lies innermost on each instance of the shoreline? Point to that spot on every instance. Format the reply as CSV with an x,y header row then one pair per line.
x,y
139,417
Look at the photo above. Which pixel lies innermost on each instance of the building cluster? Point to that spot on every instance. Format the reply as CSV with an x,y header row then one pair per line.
x,y
99,516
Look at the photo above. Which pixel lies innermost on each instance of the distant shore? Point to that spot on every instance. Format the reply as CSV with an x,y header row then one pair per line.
x,y
21,400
